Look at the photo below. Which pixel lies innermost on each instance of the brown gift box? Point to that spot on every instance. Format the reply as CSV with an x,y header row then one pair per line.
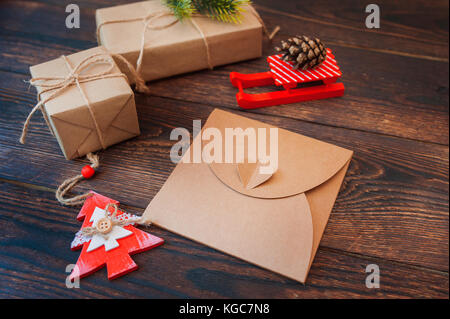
x,y
111,100
179,48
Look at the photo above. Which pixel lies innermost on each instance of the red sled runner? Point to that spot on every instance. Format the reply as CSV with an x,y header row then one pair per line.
x,y
315,84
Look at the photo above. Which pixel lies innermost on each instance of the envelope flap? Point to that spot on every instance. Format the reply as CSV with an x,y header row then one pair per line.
x,y
303,162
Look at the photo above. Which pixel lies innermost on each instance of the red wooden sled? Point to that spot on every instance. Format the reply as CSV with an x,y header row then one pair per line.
x,y
315,84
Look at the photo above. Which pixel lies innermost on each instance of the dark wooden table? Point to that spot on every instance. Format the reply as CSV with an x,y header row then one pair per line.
x,y
392,209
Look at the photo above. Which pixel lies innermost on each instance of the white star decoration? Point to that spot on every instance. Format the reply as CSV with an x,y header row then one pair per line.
x,y
110,239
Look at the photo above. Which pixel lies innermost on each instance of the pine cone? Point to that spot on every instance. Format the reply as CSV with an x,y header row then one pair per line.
x,y
306,53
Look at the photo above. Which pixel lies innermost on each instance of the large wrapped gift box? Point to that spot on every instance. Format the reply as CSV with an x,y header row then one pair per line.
x,y
111,111
180,47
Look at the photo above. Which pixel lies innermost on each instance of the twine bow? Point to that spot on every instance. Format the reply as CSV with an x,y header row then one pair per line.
x,y
91,231
57,84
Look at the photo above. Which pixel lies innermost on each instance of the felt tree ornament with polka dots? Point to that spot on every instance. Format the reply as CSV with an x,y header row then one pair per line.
x,y
108,237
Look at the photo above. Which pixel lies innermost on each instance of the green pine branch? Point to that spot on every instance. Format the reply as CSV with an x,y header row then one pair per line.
x,y
180,8
221,10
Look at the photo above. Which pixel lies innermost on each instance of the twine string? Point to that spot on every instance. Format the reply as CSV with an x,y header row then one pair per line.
x,y
207,50
139,81
91,231
76,77
69,183
149,19
269,35
149,24
57,84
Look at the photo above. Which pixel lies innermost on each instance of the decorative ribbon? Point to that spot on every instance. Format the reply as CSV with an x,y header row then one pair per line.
x,y
148,25
91,231
57,84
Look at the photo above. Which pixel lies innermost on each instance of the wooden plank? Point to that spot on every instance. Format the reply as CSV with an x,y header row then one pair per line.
x,y
402,31
392,210
394,203
424,116
36,235
406,97
405,25
410,102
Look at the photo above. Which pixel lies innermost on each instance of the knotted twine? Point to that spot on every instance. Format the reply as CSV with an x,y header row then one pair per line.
x,y
57,84
60,83
91,231
67,185
148,25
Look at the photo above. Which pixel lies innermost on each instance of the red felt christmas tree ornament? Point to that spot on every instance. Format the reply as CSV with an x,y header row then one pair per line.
x,y
108,237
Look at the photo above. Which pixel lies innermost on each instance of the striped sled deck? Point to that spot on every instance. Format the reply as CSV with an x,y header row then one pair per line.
x,y
322,83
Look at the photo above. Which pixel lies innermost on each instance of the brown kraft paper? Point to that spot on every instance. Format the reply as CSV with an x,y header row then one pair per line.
x,y
275,222
111,100
179,48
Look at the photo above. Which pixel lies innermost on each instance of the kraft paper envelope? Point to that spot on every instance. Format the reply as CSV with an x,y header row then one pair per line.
x,y
111,99
275,222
